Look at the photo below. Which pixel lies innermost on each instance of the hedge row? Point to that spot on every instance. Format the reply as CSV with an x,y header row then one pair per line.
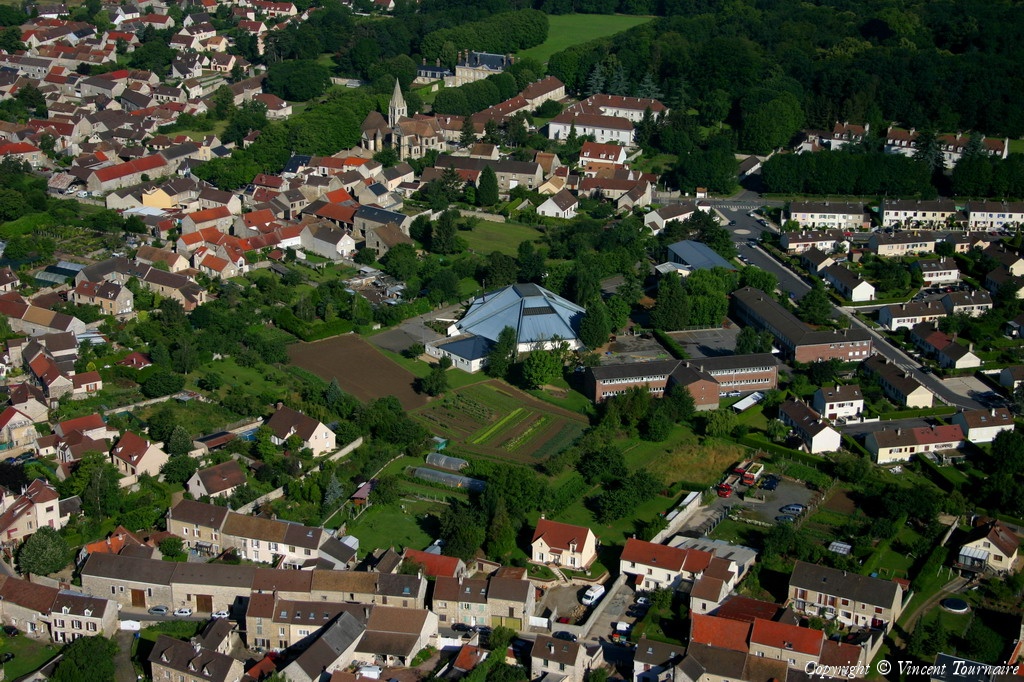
x,y
752,441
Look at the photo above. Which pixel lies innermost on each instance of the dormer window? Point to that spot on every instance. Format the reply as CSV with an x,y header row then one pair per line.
x,y
65,610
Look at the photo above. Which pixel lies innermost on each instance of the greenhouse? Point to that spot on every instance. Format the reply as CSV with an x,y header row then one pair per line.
x,y
451,480
436,459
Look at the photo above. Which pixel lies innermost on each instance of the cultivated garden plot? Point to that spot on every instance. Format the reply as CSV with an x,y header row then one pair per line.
x,y
359,368
495,420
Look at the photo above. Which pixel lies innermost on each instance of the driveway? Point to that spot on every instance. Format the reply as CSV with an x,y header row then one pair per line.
x,y
614,611
415,330
968,386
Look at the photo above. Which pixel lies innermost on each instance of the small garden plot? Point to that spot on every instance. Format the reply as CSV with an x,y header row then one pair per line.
x,y
494,420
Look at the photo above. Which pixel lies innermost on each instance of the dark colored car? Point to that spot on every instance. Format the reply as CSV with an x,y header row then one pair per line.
x,y
10,631
785,518
794,509
567,636
460,627
5,658
770,483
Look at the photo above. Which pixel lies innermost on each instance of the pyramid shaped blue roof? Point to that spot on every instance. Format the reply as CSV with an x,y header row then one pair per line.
x,y
534,312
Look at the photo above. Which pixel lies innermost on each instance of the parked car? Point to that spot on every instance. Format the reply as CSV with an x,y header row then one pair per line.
x,y
460,627
785,518
770,482
183,612
219,614
794,509
643,601
567,636
159,611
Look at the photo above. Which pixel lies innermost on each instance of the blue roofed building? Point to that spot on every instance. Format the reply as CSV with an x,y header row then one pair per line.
x,y
696,256
540,318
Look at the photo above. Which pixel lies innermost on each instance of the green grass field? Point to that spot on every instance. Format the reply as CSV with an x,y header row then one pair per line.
x,y
566,30
390,526
489,236
29,654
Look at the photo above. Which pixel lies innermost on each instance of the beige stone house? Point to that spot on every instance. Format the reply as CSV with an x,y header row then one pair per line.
x,y
563,544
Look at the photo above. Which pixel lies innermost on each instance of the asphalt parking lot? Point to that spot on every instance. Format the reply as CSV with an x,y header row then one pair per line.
x,y
788,492
709,343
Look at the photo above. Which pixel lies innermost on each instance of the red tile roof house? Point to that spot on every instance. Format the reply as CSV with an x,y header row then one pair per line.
x,y
126,174
563,544
134,455
653,566
219,218
435,565
85,385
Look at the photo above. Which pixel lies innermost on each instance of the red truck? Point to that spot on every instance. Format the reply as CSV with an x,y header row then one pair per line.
x,y
753,473
726,487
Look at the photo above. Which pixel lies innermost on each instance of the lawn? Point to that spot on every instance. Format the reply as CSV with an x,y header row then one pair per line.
x,y
652,164
617,532
488,236
29,655
681,458
198,417
566,30
25,225
1017,146
456,377
390,526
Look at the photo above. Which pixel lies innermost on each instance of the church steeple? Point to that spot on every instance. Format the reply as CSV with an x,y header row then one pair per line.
x,y
397,108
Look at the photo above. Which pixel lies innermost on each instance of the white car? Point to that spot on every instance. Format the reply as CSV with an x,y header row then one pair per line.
x,y
183,612
219,614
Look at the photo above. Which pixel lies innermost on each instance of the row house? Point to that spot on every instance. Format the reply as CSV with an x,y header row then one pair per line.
x,y
547,88
493,601
796,340
174,659
604,129
944,348
630,108
917,212
828,215
61,616
511,174
126,174
828,241
166,284
112,299
901,243
839,402
275,623
596,158
973,303
988,215
901,445
141,583
31,320
816,433
209,530
848,284
902,141
899,315
982,426
1007,257
936,271
900,386
852,599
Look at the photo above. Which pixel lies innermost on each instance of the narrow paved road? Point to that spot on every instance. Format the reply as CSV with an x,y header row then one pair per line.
x,y
913,617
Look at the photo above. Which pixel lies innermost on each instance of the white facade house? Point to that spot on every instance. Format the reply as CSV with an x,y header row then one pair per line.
x,y
982,426
838,402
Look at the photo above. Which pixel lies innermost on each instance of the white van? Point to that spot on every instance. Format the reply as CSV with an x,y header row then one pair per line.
x,y
592,595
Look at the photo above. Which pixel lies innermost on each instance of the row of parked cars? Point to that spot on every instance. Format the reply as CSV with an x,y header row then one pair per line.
x,y
183,612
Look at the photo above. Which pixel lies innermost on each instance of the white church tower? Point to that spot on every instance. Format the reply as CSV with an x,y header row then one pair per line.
x,y
397,109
